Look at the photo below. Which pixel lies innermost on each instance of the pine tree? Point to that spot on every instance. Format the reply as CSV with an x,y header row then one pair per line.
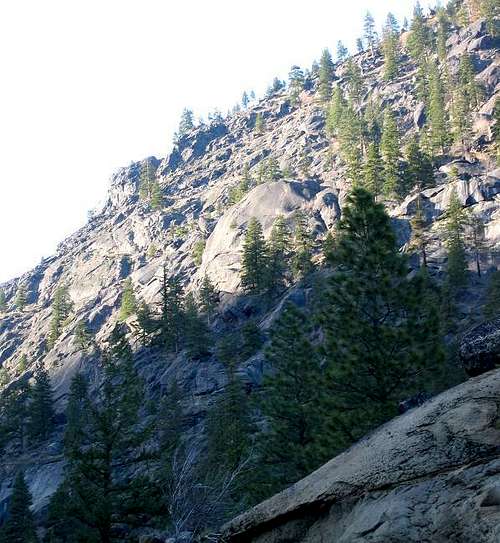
x,y
83,336
21,297
419,36
390,152
20,525
390,43
467,82
302,247
128,304
443,30
279,252
354,80
196,337
382,330
342,52
419,238
475,238
418,170
146,322
290,402
259,124
491,308
461,120
14,413
171,325
336,109
295,83
370,34
373,170
254,259
350,137
245,100
186,123
103,437
326,72
208,298
61,309
455,221
3,301
490,10
41,407
438,122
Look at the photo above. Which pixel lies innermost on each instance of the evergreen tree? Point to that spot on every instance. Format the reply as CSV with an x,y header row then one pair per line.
x,y
291,403
295,83
373,171
259,124
418,234
326,72
186,123
128,304
101,439
83,336
443,30
438,122
354,80
14,413
254,259
419,36
461,120
41,407
490,10
279,251
418,170
455,222
350,138
475,238
491,308
21,297
336,109
382,328
342,52
359,45
302,247
389,147
146,322
61,309
390,44
370,33
245,100
209,298
3,301
171,321
196,332
20,525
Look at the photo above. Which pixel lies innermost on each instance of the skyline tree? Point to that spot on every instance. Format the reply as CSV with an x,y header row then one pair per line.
x,y
326,72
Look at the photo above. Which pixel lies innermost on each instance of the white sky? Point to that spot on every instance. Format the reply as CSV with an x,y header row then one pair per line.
x,y
88,86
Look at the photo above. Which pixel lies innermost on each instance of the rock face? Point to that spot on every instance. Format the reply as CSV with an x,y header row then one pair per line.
x,y
126,238
480,348
432,474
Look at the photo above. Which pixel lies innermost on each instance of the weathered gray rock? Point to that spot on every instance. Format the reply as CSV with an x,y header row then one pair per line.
x,y
480,348
432,474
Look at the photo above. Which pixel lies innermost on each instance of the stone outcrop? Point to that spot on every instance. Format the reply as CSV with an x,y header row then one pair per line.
x,y
432,474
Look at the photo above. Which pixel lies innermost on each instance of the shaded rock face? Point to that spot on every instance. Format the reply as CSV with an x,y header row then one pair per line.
x,y
480,348
432,474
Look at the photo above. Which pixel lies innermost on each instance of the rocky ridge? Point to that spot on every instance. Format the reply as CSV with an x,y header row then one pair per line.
x,y
195,180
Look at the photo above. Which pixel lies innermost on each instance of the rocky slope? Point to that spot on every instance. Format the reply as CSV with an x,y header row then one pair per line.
x,y
195,179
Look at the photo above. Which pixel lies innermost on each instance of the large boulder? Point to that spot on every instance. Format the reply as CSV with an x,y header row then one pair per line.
x,y
480,348
432,474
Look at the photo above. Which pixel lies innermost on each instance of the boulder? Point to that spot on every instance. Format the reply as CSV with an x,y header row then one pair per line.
x,y
480,348
432,474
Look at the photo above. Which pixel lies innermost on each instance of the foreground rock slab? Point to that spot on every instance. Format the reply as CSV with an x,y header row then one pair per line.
x,y
430,475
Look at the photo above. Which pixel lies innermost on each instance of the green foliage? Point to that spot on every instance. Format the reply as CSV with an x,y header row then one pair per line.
x,y
208,298
382,329
303,244
443,30
83,336
103,437
373,171
336,109
14,413
370,33
295,83
41,408
149,188
390,46
171,320
259,124
350,138
61,309
389,147
326,72
291,402
279,254
342,52
128,305
354,80
490,10
254,259
3,301
237,192
186,123
467,82
20,525
418,170
146,322
419,237
491,307
197,253
152,251
197,338
20,300
455,222
419,36
438,121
